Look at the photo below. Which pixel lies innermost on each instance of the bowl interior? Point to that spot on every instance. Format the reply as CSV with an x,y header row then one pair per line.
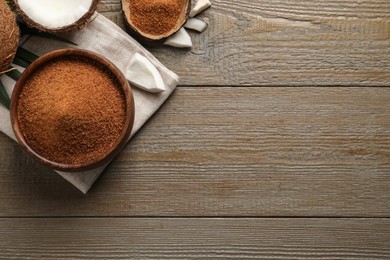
x,y
122,85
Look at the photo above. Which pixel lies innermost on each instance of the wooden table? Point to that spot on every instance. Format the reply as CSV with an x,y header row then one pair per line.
x,y
276,144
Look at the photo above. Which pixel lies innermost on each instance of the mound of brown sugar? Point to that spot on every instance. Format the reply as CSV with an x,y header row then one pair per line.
x,y
71,111
155,17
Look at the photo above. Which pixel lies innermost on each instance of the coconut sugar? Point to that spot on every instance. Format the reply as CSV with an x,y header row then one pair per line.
x,y
72,111
155,17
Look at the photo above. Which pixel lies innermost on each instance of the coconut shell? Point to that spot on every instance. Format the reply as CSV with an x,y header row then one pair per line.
x,y
9,36
149,38
78,25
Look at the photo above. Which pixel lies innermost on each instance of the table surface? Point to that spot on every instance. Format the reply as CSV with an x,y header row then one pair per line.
x,y
276,144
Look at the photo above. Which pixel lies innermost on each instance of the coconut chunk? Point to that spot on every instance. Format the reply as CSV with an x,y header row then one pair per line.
x,y
49,15
53,14
199,7
195,24
181,39
144,75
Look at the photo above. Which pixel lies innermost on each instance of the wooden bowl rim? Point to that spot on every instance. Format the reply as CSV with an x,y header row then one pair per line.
x,y
123,85
149,37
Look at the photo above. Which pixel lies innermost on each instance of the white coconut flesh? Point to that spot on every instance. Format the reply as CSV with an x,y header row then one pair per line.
x,y
55,13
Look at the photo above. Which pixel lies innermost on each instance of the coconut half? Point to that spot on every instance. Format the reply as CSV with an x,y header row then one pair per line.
x,y
9,36
56,15
184,13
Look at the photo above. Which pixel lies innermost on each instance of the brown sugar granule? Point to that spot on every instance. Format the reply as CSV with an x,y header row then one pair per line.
x,y
71,111
155,17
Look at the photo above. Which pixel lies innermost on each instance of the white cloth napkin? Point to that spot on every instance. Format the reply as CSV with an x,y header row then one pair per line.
x,y
107,39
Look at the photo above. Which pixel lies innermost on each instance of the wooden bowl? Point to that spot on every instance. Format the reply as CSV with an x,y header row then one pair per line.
x,y
123,86
141,35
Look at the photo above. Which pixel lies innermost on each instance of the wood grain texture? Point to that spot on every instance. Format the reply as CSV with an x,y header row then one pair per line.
x,y
242,149
194,238
230,152
310,43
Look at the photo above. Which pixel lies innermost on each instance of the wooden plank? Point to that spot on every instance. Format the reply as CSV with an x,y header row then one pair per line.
x,y
277,43
194,238
230,152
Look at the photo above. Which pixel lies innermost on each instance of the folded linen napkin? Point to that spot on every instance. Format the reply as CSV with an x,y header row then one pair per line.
x,y
107,39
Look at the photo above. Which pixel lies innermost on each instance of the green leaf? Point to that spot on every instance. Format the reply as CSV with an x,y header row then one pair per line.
x,y
4,98
26,55
55,38
26,30
21,62
14,74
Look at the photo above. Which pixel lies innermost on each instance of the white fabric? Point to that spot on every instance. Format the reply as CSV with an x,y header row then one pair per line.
x,y
107,39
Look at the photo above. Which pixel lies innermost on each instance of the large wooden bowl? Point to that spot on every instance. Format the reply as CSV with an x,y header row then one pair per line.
x,y
123,85
141,35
